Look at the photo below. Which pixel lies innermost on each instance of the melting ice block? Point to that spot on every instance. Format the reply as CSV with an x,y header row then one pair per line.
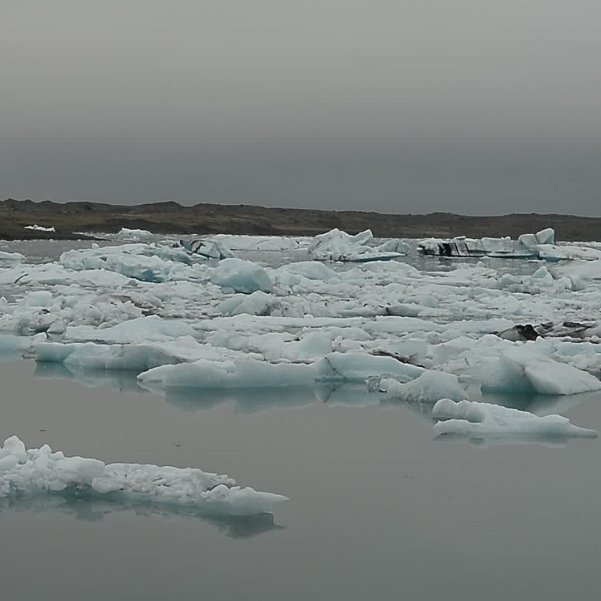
x,y
40,228
429,387
526,370
36,471
241,276
209,249
252,373
540,246
6,256
473,420
337,245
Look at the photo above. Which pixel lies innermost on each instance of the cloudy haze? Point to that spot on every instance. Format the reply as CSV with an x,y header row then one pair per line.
x,y
395,106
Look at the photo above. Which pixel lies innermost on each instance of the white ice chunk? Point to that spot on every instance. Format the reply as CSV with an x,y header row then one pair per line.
x,y
312,270
9,343
358,367
252,373
210,249
551,252
429,387
257,303
141,329
133,357
40,228
260,243
471,419
239,373
337,245
546,236
524,369
145,262
6,256
36,471
39,298
583,274
133,234
241,276
526,246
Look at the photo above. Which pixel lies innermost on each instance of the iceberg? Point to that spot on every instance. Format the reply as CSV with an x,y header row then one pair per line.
x,y
133,234
524,370
429,387
40,228
144,262
243,242
483,420
569,329
6,256
209,249
252,373
337,245
150,328
41,471
528,246
241,276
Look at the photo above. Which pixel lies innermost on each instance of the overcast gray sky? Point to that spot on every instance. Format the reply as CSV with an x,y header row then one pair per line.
x,y
404,106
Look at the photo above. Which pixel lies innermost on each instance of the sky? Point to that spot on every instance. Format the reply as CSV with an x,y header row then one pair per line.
x,y
401,106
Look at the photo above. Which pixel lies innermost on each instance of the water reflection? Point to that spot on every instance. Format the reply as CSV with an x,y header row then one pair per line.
x,y
542,404
116,379
255,400
245,400
511,438
86,508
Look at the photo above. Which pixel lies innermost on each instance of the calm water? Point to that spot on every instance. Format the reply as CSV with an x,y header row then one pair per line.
x,y
378,509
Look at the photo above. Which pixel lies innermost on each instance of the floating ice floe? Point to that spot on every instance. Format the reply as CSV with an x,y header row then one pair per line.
x,y
429,387
151,328
260,243
524,369
337,245
483,420
209,249
568,329
528,246
133,234
38,471
6,256
582,274
241,276
144,262
40,228
252,373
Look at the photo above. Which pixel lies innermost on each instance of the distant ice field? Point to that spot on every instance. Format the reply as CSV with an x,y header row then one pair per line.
x,y
271,312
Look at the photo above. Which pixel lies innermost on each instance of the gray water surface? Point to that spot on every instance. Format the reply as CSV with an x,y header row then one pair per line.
x,y
377,510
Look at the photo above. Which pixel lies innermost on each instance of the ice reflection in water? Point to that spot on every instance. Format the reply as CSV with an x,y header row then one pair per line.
x,y
85,507
254,400
249,400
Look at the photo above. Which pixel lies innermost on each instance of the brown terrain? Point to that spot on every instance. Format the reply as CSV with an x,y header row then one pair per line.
x,y
71,219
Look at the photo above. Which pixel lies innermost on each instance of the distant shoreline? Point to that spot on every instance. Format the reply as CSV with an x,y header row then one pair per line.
x,y
203,219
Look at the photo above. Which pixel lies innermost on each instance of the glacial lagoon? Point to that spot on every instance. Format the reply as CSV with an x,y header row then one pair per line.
x,y
379,506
